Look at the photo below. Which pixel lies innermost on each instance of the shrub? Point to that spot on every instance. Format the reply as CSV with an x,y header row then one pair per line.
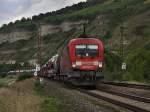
x,y
138,65
3,75
24,76
127,77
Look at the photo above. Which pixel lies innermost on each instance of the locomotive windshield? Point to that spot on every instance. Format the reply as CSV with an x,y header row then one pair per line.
x,y
86,50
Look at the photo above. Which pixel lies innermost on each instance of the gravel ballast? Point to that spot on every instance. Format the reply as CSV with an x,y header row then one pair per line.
x,y
71,100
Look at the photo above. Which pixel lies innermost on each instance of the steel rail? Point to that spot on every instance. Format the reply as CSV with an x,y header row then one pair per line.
x,y
136,86
134,97
116,102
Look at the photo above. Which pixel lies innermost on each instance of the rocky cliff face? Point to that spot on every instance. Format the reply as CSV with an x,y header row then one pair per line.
x,y
16,35
63,27
20,47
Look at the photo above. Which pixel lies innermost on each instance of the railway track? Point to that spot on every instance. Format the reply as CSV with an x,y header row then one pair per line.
x,y
136,86
131,102
118,100
126,100
126,95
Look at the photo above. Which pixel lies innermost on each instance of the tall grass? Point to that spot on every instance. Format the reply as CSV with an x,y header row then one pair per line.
x,y
49,103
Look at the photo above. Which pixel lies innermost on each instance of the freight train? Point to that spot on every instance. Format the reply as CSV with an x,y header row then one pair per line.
x,y
80,62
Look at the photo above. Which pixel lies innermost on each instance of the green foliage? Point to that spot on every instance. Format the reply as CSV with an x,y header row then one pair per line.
x,y
24,76
28,25
138,63
13,46
147,46
142,30
112,68
5,80
146,31
138,58
122,10
118,11
3,75
127,76
112,61
4,68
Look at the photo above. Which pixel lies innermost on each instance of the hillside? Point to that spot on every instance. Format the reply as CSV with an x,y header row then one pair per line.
x,y
18,41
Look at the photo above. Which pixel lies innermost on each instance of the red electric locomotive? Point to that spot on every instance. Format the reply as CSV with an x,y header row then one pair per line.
x,y
81,61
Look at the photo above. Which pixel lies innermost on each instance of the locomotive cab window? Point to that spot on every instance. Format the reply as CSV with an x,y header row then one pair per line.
x,y
87,50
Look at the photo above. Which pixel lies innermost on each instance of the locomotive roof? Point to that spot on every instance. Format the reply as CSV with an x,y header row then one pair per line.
x,y
85,39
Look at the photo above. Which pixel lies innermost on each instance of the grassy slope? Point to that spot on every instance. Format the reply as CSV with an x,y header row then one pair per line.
x,y
119,10
20,97
5,81
24,96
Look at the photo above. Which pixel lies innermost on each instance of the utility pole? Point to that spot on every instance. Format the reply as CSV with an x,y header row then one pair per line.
x,y
122,41
39,50
84,28
38,71
39,45
123,65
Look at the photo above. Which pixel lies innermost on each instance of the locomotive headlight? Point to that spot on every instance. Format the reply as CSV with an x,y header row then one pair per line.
x,y
78,63
100,64
73,65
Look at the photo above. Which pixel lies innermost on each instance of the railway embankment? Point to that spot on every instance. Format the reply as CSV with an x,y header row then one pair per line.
x,y
63,98
31,96
19,97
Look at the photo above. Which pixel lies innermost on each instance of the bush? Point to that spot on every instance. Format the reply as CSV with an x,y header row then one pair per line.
x,y
3,75
112,70
138,65
127,77
24,76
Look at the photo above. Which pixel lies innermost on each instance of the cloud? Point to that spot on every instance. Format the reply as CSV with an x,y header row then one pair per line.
x,y
11,10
